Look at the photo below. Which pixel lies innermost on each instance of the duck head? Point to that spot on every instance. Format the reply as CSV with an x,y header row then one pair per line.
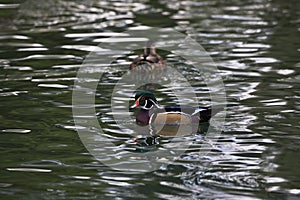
x,y
150,49
145,100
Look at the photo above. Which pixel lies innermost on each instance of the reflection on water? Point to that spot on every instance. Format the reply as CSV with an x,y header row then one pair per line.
x,y
255,46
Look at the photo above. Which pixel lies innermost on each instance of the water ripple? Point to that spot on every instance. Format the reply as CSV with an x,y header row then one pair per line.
x,y
29,170
15,130
60,86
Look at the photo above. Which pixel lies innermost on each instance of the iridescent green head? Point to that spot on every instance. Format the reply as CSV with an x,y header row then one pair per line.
x,y
145,100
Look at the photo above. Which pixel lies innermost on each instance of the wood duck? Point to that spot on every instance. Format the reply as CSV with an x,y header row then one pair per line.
x,y
151,113
149,57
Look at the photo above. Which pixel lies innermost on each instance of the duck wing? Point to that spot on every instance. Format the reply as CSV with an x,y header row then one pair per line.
x,y
202,114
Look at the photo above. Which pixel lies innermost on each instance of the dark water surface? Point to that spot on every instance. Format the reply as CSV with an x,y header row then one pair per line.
x,y
256,47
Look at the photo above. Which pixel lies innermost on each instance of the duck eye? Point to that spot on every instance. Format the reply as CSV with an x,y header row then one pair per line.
x,y
142,101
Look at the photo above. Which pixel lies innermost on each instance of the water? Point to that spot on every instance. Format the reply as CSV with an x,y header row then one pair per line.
x,y
255,46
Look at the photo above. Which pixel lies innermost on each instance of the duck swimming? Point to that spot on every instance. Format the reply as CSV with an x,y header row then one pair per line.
x,y
152,113
149,57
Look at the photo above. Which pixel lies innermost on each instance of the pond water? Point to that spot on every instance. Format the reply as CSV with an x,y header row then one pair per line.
x,y
255,46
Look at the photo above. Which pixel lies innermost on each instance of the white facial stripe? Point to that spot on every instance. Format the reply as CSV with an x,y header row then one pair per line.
x,y
144,107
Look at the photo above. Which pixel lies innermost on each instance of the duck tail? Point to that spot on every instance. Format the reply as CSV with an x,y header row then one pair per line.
x,y
205,113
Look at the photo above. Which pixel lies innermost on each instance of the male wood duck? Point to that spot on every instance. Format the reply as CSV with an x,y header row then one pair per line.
x,y
151,113
149,57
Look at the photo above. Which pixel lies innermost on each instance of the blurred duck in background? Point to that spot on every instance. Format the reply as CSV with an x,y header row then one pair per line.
x,y
148,58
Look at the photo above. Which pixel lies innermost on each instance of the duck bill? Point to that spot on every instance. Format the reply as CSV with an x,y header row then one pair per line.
x,y
136,104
